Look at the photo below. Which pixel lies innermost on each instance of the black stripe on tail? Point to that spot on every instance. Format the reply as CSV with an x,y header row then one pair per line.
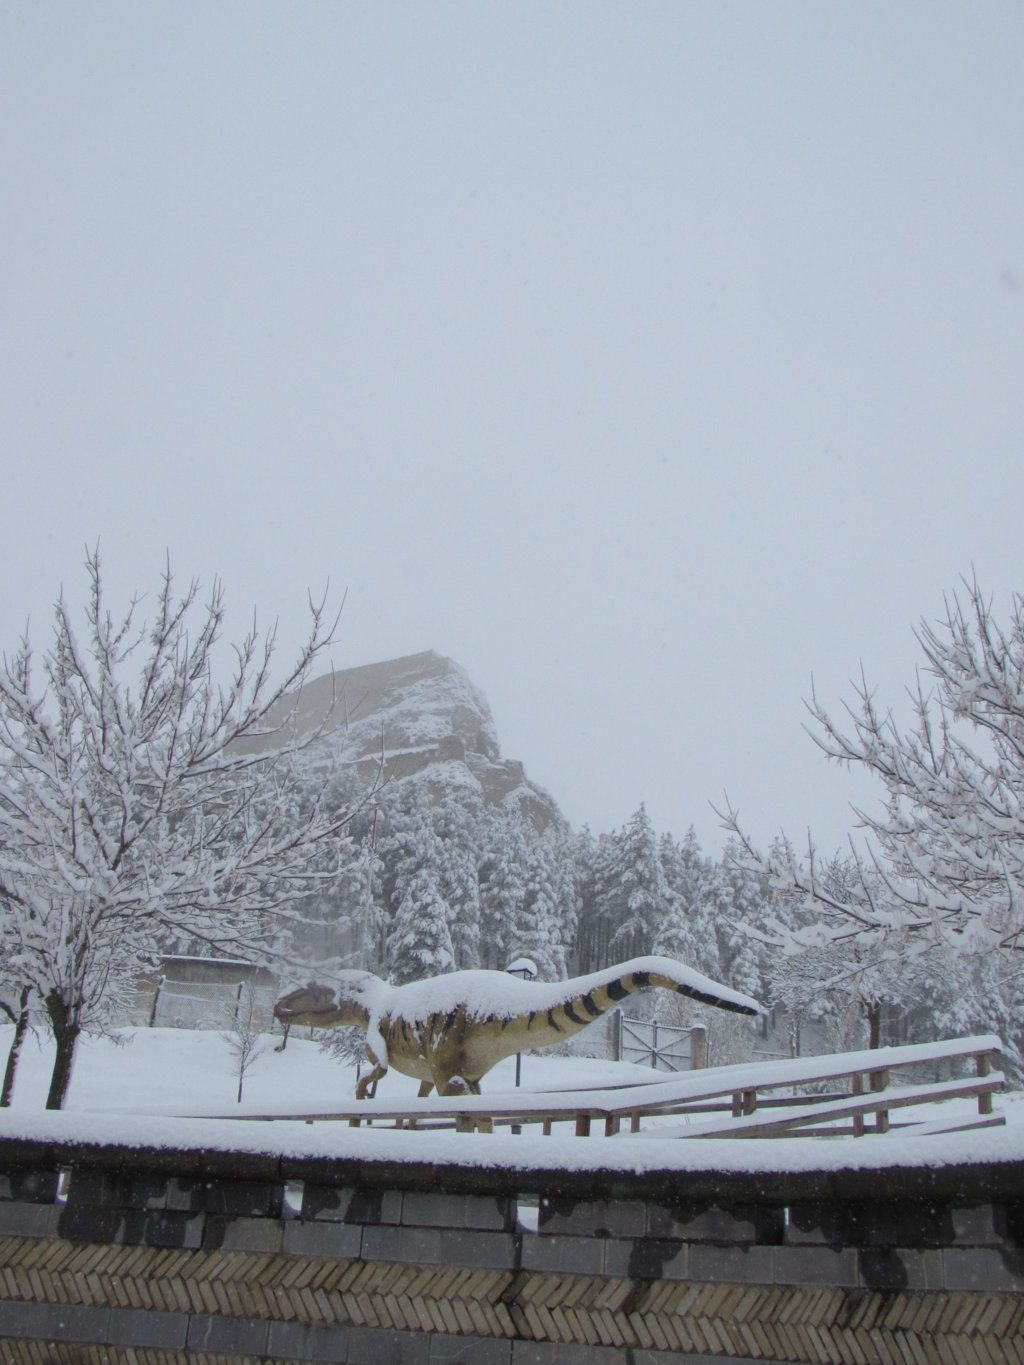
x,y
705,999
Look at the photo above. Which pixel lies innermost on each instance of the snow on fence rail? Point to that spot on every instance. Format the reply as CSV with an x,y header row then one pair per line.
x,y
735,1093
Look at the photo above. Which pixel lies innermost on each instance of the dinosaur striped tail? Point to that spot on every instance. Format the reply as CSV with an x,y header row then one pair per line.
x,y
586,998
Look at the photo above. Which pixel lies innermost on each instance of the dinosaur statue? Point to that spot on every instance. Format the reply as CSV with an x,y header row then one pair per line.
x,y
448,1031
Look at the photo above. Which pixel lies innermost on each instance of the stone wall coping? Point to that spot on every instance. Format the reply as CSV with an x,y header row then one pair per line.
x,y
961,1183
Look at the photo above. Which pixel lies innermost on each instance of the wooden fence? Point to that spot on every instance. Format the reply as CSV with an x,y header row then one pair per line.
x,y
749,1100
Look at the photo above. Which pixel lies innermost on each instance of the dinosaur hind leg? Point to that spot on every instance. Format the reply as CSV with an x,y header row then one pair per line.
x,y
459,1085
366,1087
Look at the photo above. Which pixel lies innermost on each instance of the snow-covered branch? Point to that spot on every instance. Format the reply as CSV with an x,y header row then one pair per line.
x,y
141,803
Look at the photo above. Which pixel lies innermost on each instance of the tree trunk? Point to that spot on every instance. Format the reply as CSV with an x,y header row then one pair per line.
x,y
20,1029
65,1032
873,1010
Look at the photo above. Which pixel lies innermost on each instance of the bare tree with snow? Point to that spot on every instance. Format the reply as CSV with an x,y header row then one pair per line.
x,y
245,1035
144,802
944,865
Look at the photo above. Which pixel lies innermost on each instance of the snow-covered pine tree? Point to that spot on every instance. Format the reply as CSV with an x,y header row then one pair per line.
x,y
502,886
419,943
593,930
342,922
457,819
537,931
405,840
634,893
743,903
567,889
688,930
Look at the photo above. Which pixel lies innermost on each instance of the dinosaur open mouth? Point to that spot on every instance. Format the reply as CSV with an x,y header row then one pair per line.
x,y
284,1013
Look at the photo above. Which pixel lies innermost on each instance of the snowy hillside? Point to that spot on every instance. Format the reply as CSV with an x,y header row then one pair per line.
x,y
427,719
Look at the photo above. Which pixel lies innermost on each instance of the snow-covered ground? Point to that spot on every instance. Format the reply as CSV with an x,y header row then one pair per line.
x,y
129,1092
163,1069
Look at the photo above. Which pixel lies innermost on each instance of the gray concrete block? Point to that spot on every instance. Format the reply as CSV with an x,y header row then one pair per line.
x,y
28,1220
678,1358
138,1327
731,1265
429,1209
593,1218
243,1198
182,1194
104,1189
54,1322
93,1223
18,1320
490,1213
322,1239
760,1224
419,1246
647,1259
814,1265
478,1250
229,1336
367,1346
29,1187
975,1226
224,1233
304,1341
154,1192
983,1268
327,1203
894,1268
426,1209
913,1225
424,1246
572,1255
556,1353
447,1350
385,1243
165,1228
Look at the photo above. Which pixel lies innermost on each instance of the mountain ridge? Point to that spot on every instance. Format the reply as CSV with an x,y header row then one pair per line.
x,y
416,717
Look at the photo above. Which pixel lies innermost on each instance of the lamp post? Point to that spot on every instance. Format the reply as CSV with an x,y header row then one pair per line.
x,y
526,971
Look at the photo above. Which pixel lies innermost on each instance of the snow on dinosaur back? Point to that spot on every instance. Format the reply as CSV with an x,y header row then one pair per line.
x,y
448,1031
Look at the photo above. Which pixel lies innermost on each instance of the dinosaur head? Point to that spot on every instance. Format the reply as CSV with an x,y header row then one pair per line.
x,y
343,1004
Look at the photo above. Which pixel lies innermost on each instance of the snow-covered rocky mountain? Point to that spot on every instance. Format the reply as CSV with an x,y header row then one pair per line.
x,y
424,717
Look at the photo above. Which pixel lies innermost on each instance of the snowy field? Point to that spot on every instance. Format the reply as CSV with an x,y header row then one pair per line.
x,y
131,1091
189,1070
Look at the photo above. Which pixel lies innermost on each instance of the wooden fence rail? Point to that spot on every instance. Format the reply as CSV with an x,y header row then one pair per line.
x,y
727,1101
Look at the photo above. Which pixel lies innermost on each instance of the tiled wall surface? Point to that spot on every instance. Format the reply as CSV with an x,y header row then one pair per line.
x,y
141,1266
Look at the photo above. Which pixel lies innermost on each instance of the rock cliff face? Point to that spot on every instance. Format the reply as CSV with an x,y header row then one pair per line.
x,y
424,718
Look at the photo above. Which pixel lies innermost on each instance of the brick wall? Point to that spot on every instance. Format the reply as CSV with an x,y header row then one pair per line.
x,y
218,1258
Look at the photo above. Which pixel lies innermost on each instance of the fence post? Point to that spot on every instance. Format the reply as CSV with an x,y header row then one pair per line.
x,y
156,1000
615,1019
698,1047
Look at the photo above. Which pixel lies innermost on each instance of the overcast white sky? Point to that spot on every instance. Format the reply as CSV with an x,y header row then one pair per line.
x,y
644,358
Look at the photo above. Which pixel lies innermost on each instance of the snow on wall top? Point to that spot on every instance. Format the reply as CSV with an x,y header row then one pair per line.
x,y
299,1141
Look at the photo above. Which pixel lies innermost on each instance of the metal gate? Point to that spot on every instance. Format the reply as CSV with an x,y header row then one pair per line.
x,y
665,1047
